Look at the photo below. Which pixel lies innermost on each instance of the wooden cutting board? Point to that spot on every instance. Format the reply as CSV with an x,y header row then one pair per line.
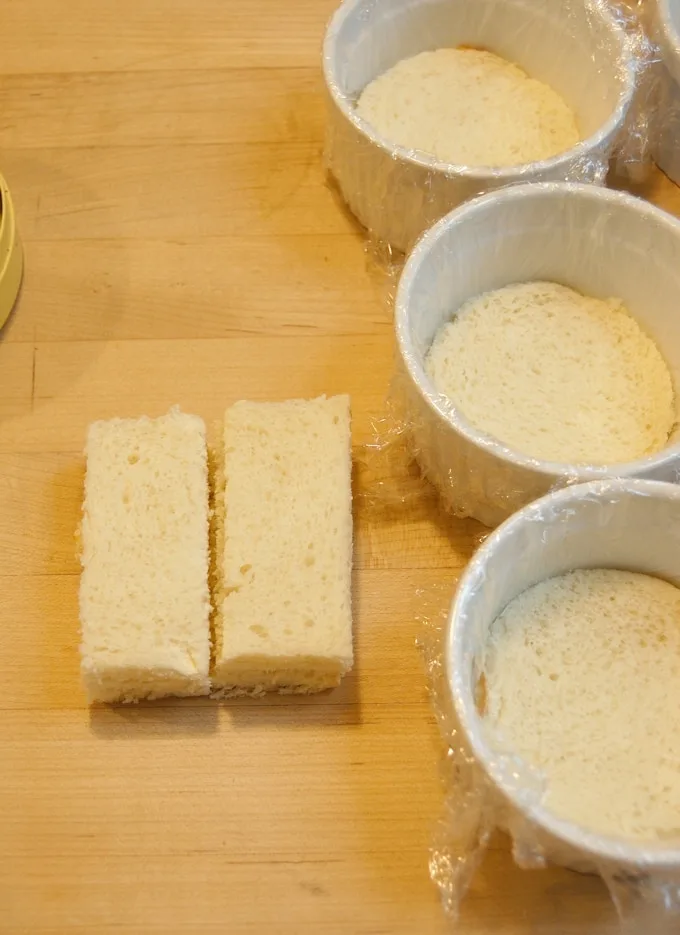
x,y
182,247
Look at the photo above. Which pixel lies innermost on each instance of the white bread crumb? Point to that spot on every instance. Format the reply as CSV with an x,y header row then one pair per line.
x,y
582,680
144,598
284,547
555,375
468,107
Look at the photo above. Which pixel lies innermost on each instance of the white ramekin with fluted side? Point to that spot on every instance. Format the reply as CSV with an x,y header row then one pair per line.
x,y
599,242
626,524
575,46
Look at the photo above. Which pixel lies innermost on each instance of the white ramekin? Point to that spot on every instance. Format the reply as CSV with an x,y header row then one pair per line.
x,y
620,523
575,46
667,123
601,243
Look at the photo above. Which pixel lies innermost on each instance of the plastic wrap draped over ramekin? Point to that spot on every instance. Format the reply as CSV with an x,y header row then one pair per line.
x,y
621,523
599,242
578,47
667,117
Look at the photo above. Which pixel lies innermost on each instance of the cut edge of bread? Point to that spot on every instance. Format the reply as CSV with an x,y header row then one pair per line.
x,y
127,684
292,675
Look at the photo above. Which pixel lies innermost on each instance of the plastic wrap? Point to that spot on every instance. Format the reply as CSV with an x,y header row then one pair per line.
x,y
595,53
628,524
601,243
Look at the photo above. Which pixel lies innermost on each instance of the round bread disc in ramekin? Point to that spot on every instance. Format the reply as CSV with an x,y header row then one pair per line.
x,y
11,254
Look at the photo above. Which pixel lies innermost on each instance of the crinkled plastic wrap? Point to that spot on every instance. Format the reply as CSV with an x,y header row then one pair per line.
x,y
629,524
595,53
602,243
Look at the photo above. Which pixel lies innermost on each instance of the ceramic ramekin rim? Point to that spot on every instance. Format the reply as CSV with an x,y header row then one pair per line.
x,y
443,407
482,174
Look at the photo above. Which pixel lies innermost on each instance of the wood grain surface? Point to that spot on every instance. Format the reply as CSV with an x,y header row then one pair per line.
x,y
182,247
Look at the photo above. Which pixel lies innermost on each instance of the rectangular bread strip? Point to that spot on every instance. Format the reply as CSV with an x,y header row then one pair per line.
x,y
144,596
284,547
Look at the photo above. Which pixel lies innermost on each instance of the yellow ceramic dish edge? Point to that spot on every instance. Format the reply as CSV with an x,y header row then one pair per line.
x,y
11,254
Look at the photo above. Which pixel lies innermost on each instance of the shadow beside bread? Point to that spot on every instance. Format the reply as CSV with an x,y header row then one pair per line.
x,y
149,720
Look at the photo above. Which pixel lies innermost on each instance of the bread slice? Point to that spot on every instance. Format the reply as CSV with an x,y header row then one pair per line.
x,y
468,107
556,375
582,678
144,597
284,547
